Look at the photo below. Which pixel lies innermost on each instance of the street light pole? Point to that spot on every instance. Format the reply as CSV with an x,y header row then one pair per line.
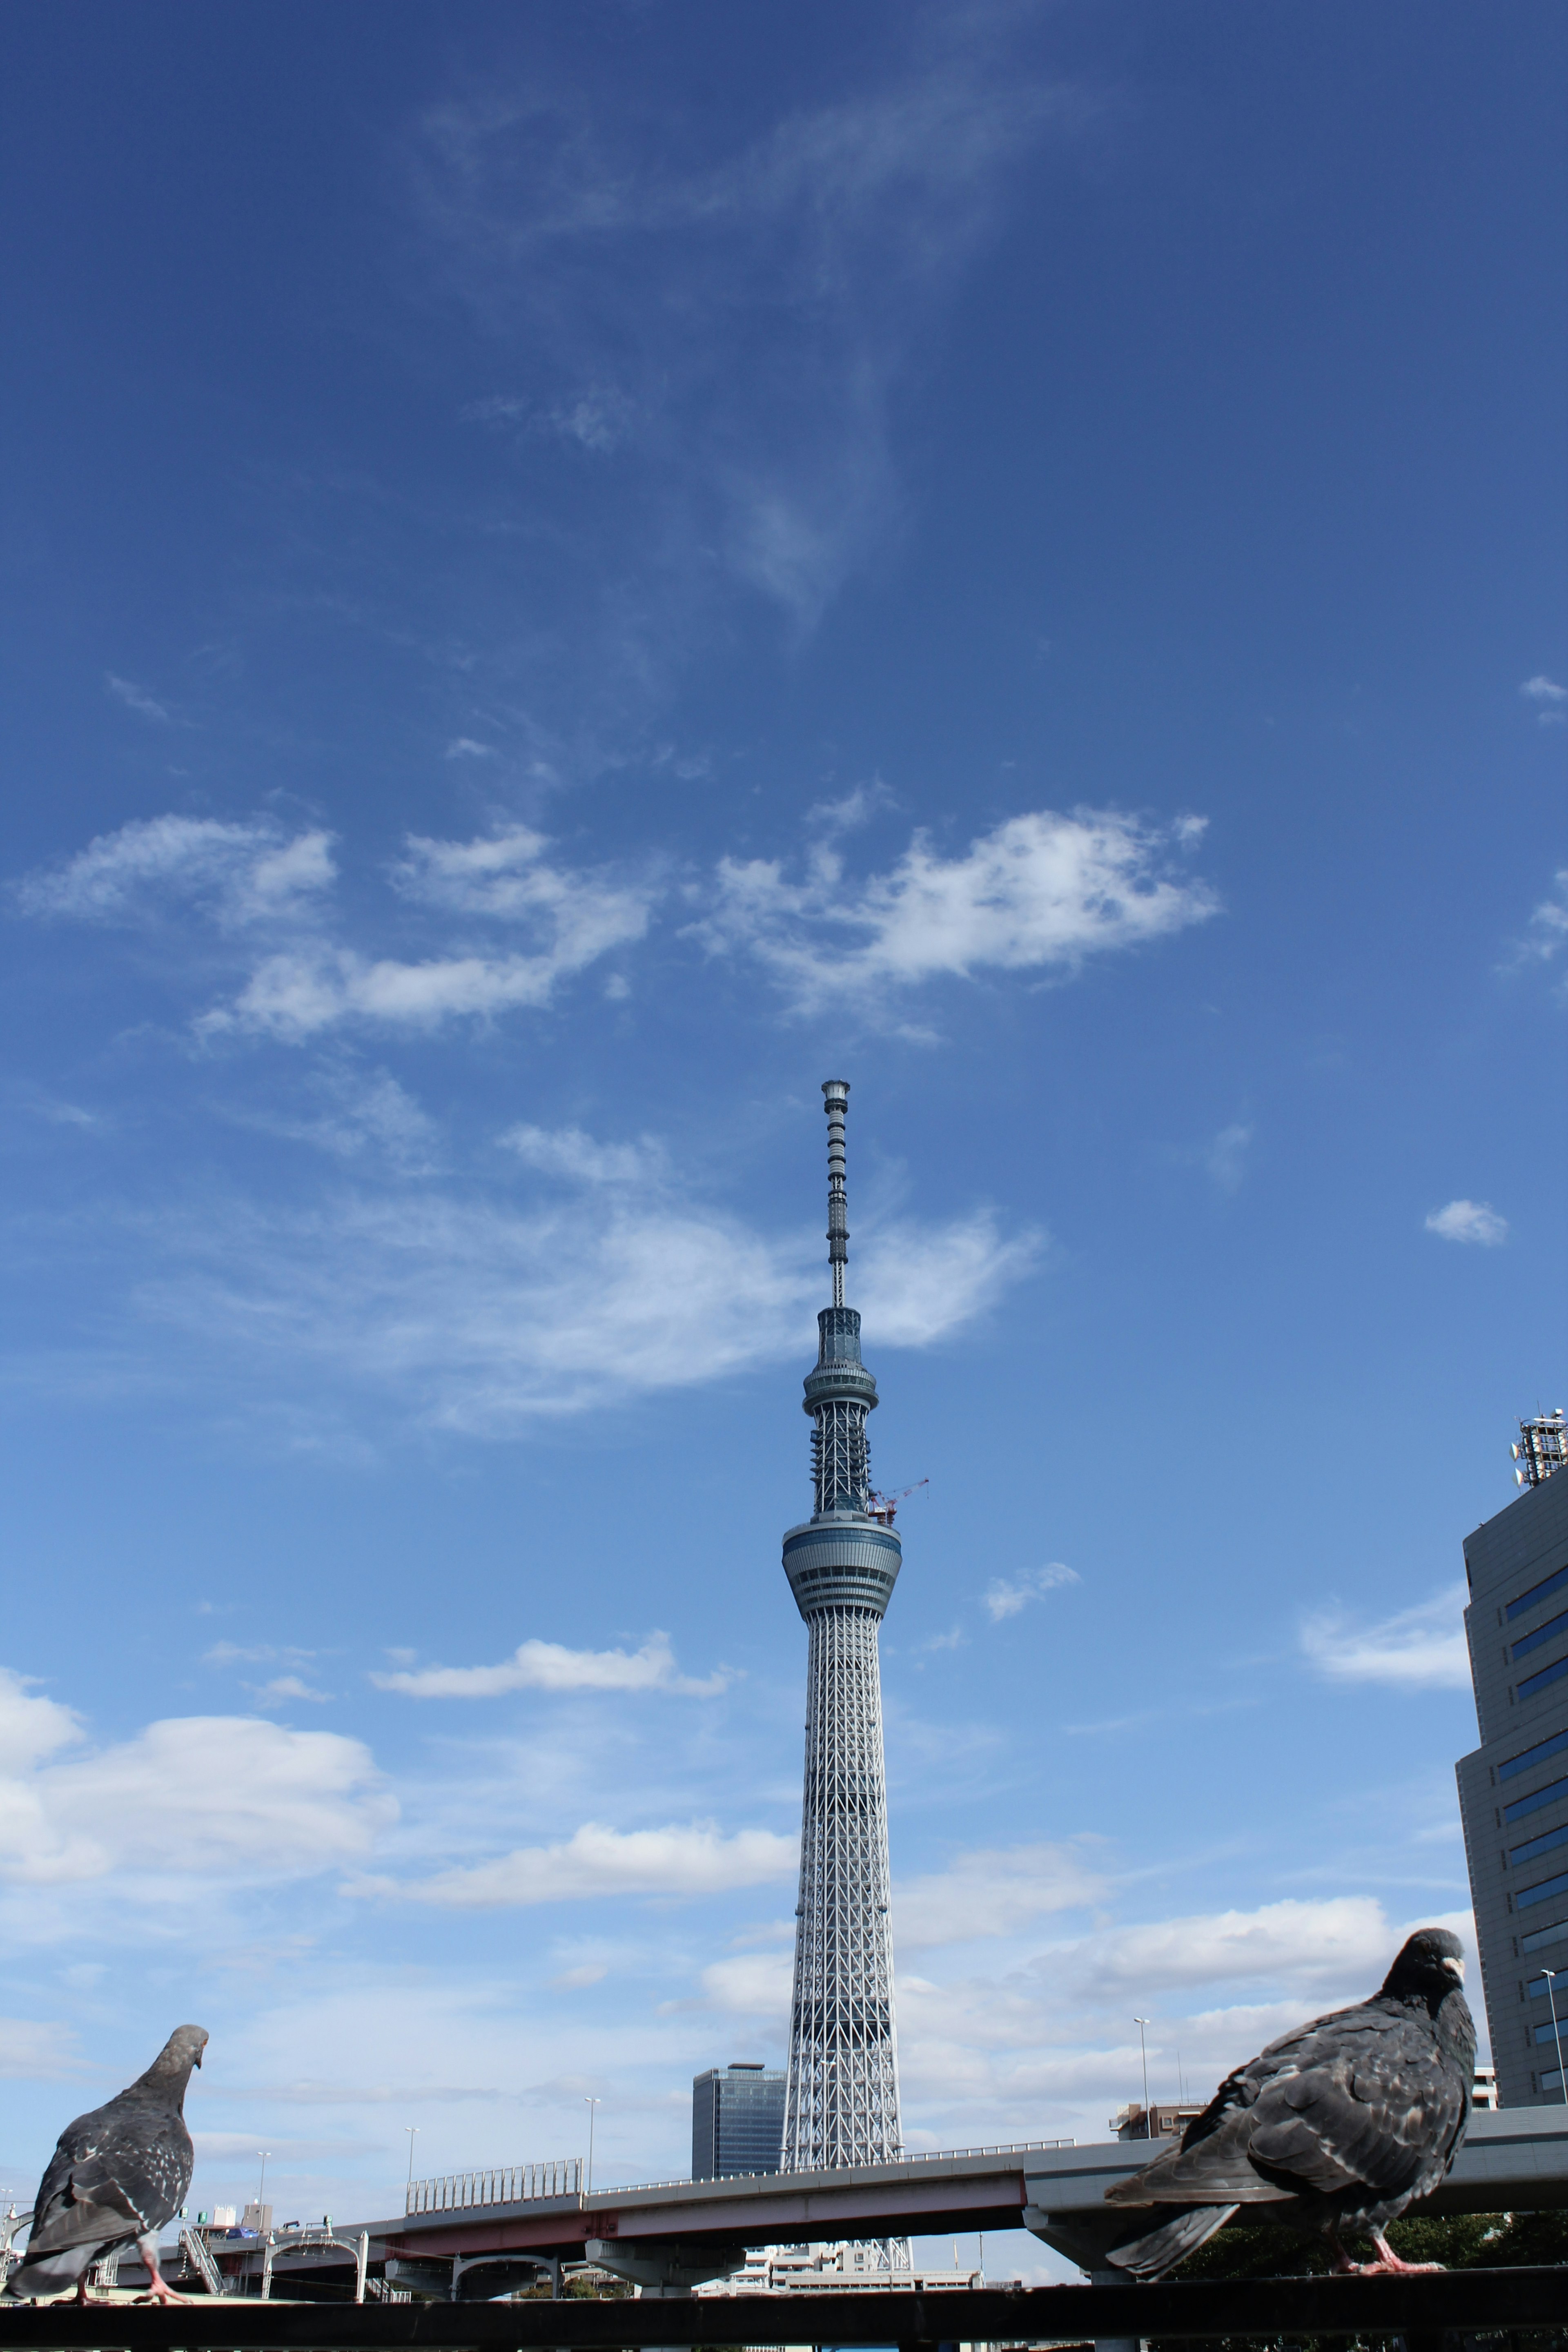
x,y
590,2104
412,2129
1550,1975
261,2191
1148,2119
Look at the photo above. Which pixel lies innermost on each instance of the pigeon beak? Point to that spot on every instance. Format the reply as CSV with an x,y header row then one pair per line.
x,y
198,2057
1455,1969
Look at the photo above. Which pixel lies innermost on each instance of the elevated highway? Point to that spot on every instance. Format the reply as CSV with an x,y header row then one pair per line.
x,y
675,2234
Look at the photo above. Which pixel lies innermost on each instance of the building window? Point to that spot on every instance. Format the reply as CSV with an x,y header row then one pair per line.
x,y
1543,1936
1552,2081
1552,1673
1536,1798
1528,1852
1537,1592
1543,1634
1543,1891
1547,2034
1528,1758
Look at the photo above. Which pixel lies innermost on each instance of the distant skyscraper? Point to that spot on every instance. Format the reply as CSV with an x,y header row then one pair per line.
x,y
1513,1791
842,2105
737,2121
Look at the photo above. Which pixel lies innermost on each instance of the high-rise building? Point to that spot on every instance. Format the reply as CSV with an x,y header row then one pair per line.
x,y
842,2103
737,2120
1513,1790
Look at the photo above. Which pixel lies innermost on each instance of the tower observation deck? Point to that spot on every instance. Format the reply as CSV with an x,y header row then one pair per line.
x,y
841,2106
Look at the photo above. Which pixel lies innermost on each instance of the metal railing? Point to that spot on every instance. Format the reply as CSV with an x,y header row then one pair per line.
x,y
456,2192
515,2184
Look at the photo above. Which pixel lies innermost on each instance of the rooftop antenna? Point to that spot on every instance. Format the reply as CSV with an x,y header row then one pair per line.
x,y
1542,1448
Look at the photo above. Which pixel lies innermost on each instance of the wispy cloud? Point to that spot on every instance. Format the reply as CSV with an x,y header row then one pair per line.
x,y
1551,700
686,1861
568,1152
1005,1597
1042,892
135,697
1468,1221
1421,1648
546,1665
366,1115
993,1893
1225,1158
490,1316
284,1687
238,874
748,310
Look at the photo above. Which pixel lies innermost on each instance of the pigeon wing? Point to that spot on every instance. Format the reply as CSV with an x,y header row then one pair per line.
x,y
116,2172
1291,2123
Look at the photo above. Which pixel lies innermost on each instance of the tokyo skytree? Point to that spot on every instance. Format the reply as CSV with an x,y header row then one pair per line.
x,y
842,2102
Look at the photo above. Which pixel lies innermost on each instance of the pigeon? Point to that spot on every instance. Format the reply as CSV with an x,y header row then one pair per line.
x,y
116,2175
1335,2128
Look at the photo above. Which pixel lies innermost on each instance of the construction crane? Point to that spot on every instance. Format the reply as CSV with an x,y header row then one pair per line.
x,y
885,1507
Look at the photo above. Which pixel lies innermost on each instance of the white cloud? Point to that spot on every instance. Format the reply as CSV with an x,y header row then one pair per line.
x,y
567,1151
990,1894
1421,1648
490,1315
134,697
547,1665
507,877
1468,1221
1548,923
1041,892
674,1861
237,874
752,1984
1225,1158
503,878
287,1687
190,1796
464,747
1549,698
1004,1597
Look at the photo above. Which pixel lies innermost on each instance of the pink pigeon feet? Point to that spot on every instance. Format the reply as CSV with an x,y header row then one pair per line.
x,y
1388,2263
160,2291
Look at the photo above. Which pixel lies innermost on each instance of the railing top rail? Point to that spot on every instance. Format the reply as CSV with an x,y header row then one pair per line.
x,y
1453,2301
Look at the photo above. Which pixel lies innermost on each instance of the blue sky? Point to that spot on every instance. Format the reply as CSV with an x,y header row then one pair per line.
x,y
576,571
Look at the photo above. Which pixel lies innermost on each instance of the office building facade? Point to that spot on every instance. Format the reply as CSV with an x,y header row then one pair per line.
x,y
1513,1790
737,2121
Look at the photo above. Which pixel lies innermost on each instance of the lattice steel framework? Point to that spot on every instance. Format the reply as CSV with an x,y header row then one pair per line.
x,y
842,2103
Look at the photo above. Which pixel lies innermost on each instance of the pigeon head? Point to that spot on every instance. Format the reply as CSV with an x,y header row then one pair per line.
x,y
171,2070
1430,1966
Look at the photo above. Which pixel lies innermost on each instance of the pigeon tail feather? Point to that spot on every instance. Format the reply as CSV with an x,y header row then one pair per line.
x,y
1181,2233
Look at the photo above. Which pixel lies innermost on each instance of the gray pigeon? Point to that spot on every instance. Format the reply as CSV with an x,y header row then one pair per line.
x,y
116,2176
1336,2128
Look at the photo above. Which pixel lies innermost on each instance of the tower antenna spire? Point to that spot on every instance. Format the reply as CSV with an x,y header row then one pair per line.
x,y
836,1091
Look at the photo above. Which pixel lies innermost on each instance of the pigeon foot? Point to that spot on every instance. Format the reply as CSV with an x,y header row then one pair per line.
x,y
1392,2265
161,2291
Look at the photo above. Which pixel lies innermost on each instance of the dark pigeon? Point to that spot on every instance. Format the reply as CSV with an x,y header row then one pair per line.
x,y
1335,2128
116,2176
